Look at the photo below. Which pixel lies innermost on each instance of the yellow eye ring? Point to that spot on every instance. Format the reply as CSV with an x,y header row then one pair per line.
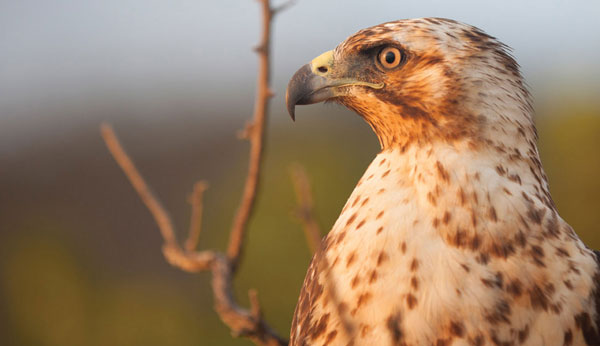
x,y
390,57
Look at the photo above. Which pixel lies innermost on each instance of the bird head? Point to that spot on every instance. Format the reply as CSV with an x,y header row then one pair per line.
x,y
418,81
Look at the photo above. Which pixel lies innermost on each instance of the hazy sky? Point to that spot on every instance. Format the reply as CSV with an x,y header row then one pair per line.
x,y
60,52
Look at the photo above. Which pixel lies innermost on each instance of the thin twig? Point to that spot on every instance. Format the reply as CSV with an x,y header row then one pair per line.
x,y
242,322
161,216
196,218
284,6
188,261
305,210
255,131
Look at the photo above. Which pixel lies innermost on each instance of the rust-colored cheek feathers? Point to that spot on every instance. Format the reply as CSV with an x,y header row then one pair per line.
x,y
439,92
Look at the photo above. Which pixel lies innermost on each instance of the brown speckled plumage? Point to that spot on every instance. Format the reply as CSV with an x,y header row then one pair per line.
x,y
451,236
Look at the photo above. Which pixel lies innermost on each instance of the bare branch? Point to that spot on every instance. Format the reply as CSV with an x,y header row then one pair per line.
x,y
188,261
305,210
255,309
242,322
162,218
255,131
196,218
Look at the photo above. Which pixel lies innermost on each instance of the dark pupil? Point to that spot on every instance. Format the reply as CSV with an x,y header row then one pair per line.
x,y
390,57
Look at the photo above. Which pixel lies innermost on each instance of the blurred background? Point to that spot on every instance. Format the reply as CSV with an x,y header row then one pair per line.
x,y
80,259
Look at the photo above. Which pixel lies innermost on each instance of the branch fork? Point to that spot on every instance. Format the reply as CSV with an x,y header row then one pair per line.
x,y
242,322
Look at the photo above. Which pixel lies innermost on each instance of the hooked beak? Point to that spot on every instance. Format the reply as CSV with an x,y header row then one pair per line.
x,y
306,88
314,83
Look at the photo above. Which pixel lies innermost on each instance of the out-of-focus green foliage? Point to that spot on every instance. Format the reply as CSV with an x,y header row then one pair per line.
x,y
570,149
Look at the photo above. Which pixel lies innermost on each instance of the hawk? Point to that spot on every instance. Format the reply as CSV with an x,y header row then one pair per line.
x,y
451,236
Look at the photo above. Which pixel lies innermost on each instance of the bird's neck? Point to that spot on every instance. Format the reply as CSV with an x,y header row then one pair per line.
x,y
467,196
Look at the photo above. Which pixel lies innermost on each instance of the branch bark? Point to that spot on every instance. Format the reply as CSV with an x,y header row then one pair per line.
x,y
305,210
242,322
255,132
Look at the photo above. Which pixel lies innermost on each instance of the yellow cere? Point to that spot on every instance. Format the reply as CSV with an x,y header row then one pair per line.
x,y
325,59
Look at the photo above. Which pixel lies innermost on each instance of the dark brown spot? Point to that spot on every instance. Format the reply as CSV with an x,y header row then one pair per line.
x,y
488,282
461,196
483,258
442,342
364,329
362,299
360,224
538,298
393,325
524,333
431,198
330,337
562,252
414,264
536,215
411,301
514,287
457,329
350,259
537,254
385,173
442,173
500,313
351,219
414,283
492,214
477,341
379,215
526,197
373,276
475,242
355,281
568,284
379,229
568,338
319,328
501,170
584,322
446,218
382,257
515,178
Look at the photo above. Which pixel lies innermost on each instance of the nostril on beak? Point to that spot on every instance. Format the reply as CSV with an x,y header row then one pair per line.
x,y
323,69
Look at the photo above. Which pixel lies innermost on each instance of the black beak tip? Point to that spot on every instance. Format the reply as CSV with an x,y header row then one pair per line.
x,y
291,106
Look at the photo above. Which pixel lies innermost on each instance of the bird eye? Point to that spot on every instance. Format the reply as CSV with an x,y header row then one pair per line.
x,y
390,57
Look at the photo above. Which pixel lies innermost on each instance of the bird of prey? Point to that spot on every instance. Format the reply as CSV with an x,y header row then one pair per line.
x,y
451,236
